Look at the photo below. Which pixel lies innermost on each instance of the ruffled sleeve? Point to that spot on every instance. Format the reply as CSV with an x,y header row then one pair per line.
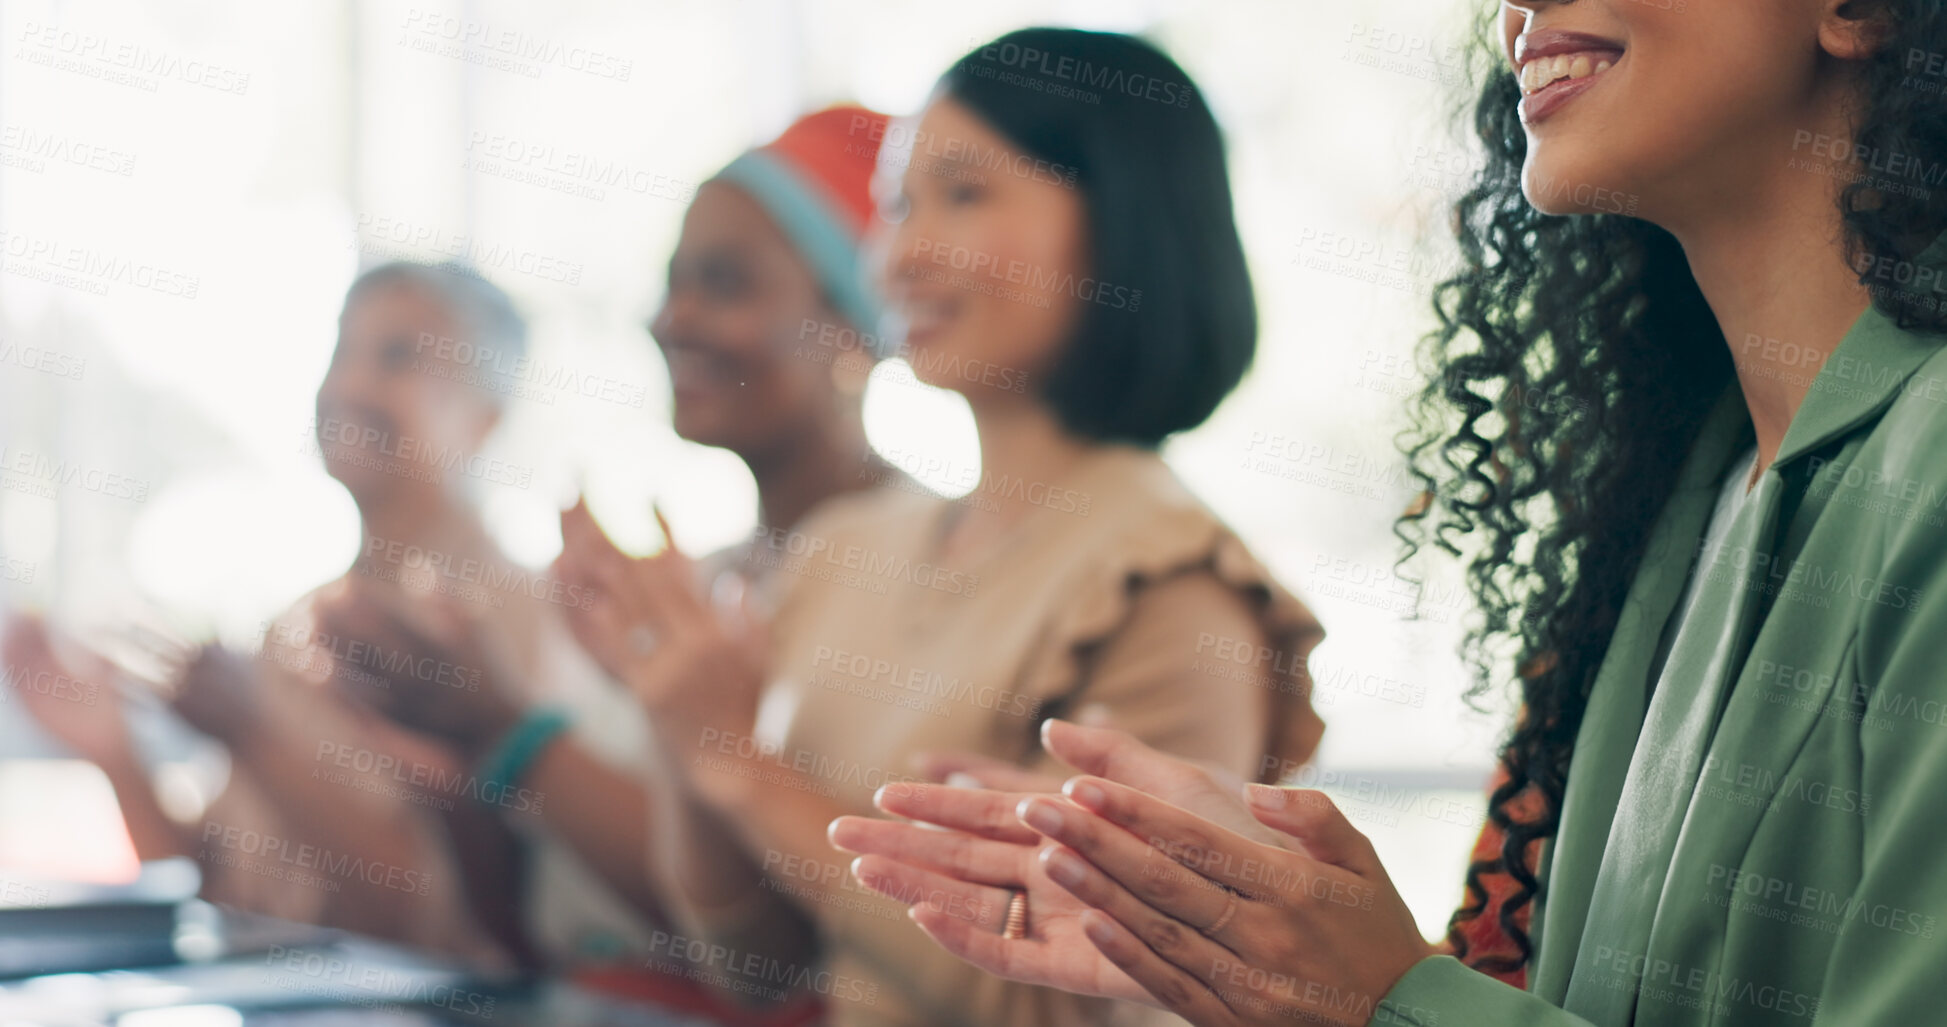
x,y
1169,614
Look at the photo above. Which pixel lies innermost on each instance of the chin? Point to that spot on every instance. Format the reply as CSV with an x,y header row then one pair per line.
x,y
932,361
932,373
367,487
708,431
1582,185
689,430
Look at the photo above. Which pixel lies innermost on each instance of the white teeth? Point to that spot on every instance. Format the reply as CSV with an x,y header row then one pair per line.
x,y
1542,72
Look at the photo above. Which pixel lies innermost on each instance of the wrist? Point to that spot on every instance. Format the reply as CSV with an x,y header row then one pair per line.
x,y
723,782
505,763
489,727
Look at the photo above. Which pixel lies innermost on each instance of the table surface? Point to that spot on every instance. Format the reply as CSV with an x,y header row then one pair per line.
x,y
221,968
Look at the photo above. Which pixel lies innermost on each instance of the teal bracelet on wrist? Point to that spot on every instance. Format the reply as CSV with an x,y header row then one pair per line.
x,y
508,761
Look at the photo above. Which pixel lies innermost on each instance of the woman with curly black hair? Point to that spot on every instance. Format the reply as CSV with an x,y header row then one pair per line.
x,y
1686,428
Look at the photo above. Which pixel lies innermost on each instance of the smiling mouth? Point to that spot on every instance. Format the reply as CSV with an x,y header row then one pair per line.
x,y
1542,72
928,315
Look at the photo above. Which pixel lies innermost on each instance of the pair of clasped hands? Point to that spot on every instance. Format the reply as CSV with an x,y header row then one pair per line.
x,y
1263,906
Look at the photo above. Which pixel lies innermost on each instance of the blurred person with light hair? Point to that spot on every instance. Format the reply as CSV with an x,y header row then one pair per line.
x,y
417,384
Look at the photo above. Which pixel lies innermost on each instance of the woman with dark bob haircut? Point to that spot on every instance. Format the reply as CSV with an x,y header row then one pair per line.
x,y
1061,253
1688,427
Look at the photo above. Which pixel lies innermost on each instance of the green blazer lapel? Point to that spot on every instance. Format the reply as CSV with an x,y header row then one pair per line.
x,y
1607,738
1873,364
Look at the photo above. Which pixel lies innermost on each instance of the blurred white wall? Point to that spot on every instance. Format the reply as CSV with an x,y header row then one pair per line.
x,y
186,188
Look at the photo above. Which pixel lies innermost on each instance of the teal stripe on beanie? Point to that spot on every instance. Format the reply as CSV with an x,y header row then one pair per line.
x,y
807,219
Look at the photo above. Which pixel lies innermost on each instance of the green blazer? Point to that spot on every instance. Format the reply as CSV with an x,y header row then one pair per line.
x,y
1769,846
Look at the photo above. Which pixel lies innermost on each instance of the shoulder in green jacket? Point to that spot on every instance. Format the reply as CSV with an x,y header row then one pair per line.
x,y
1806,885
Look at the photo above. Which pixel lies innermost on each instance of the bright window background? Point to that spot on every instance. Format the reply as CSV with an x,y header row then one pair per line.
x,y
259,150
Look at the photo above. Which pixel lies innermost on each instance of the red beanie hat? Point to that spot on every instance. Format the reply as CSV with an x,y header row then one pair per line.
x,y
815,181
838,148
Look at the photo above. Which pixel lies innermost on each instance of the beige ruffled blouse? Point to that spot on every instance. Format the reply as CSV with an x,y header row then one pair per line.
x,y
1120,589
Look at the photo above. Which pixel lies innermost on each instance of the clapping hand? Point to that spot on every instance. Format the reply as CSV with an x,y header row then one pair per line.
x,y
1250,913
436,674
696,663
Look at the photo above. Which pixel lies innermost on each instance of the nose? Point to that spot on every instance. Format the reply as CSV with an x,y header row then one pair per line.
x,y
673,321
343,382
905,248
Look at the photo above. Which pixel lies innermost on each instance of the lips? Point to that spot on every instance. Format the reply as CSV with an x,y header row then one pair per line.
x,y
343,427
694,369
1554,66
1541,73
927,315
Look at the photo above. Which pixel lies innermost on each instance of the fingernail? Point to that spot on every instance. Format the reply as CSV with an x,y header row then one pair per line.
x,y
895,790
1095,714
1086,794
1267,796
962,779
1041,815
1065,869
1098,930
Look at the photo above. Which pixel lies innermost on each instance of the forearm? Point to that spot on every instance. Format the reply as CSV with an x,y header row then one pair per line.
x,y
395,842
604,815
711,854
153,833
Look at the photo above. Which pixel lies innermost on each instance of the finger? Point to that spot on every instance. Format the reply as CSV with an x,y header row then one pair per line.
x,y
1171,987
586,550
1319,825
609,620
1204,846
983,947
669,588
740,610
1189,945
989,814
618,589
1113,754
979,906
581,532
156,643
962,857
988,771
662,525
1149,871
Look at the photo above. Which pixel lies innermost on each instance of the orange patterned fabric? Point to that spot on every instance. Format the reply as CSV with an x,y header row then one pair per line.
x,y
1484,934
